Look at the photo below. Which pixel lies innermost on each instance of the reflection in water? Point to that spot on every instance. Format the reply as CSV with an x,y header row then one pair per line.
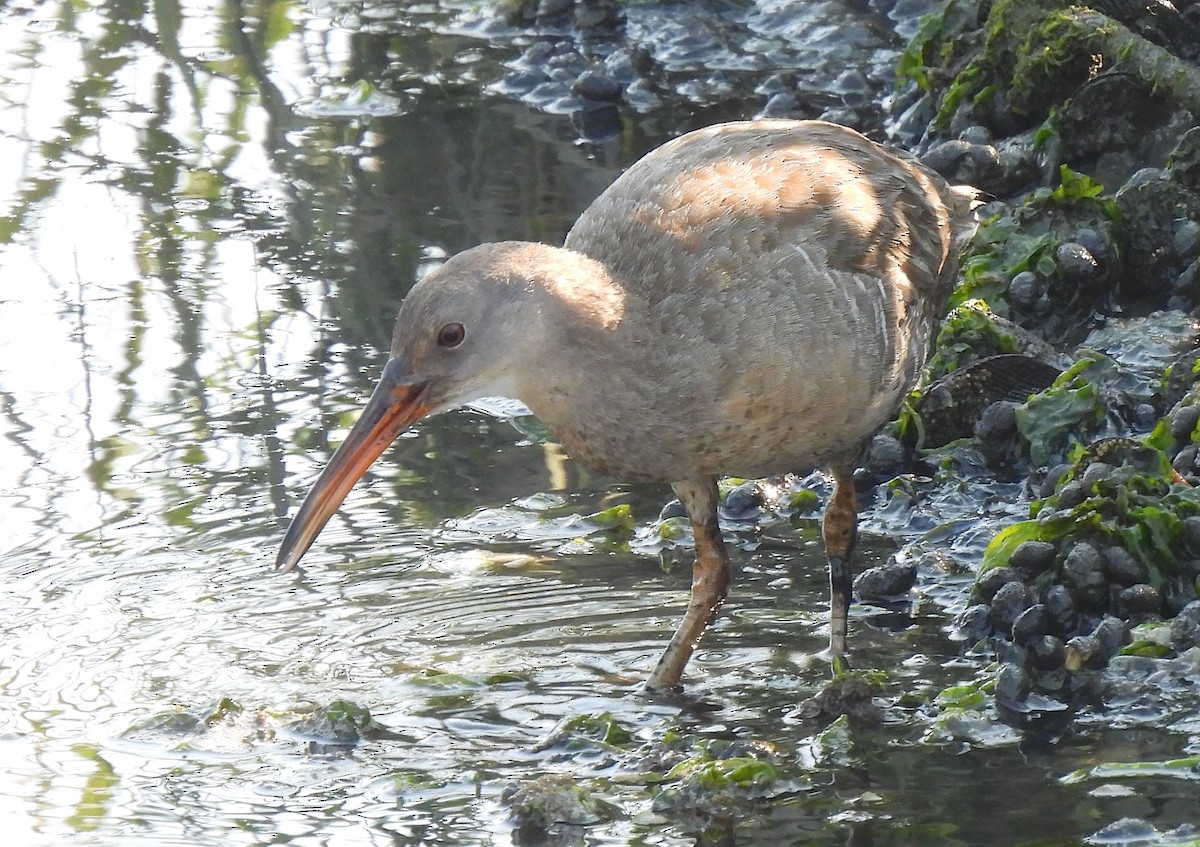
x,y
208,213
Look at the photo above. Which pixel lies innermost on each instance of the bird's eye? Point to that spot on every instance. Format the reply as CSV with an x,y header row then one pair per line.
x,y
451,335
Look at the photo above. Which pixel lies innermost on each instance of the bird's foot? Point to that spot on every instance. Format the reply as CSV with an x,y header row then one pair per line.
x,y
660,690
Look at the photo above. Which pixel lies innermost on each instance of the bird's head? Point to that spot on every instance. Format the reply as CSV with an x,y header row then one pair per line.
x,y
471,328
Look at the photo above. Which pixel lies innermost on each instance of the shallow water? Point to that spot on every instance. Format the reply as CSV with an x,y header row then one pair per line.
x,y
208,213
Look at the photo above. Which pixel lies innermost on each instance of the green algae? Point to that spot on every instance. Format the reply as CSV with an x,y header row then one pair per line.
x,y
1186,768
1031,56
1153,640
618,517
803,501
182,720
719,777
1025,238
1053,419
541,804
583,732
969,333
342,722
1033,53
1138,504
938,44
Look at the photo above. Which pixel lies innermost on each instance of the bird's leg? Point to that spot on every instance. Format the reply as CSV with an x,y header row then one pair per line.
x,y
839,528
710,581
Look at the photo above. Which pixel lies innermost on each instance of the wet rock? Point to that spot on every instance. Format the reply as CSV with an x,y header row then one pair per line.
x,y
743,502
989,583
1183,166
998,437
1047,653
1036,715
536,56
1184,462
1083,573
641,96
1008,603
1181,591
1026,289
1186,287
1012,683
1076,262
975,622
1053,477
1052,679
1100,246
1084,652
965,162
1169,26
627,64
1185,627
1109,112
886,581
1000,117
1121,567
1190,531
780,105
1072,494
1187,238
597,123
1085,686
597,86
1032,558
546,802
780,83
598,18
1182,423
1020,161
553,12
998,423
1030,624
851,695
1150,211
340,723
1060,609
976,134
1096,472
1007,651
1110,635
1140,599
886,457
1143,176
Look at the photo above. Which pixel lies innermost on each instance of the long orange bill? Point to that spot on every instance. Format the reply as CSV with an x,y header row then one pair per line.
x,y
397,402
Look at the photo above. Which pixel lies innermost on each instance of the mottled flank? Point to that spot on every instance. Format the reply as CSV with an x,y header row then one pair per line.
x,y
789,277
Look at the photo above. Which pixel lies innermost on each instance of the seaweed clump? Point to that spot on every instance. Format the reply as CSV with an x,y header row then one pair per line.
x,y
1115,546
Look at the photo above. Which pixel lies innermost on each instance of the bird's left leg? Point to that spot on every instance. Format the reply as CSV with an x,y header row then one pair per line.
x,y
710,581
839,528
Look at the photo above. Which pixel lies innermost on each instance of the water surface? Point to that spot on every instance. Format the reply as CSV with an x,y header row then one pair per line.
x,y
208,214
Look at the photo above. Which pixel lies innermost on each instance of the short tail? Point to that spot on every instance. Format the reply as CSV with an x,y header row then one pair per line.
x,y
963,203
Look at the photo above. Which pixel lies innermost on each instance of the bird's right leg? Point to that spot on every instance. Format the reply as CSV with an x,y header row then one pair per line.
x,y
710,581
839,528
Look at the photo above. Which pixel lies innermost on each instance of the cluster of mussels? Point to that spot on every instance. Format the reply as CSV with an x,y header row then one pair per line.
x,y
1109,563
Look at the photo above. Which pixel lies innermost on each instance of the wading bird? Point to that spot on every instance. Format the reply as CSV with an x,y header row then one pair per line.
x,y
748,299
